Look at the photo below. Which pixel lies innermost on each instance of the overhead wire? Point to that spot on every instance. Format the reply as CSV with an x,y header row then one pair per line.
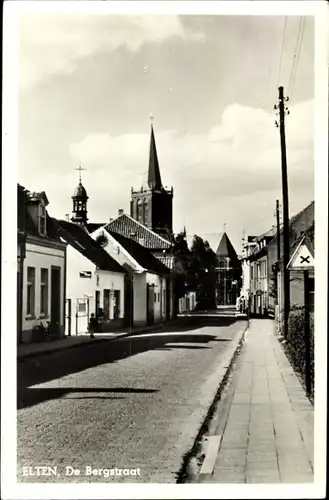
x,y
297,50
282,48
297,56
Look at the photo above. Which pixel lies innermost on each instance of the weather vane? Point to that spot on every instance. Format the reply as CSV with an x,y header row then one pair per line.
x,y
151,118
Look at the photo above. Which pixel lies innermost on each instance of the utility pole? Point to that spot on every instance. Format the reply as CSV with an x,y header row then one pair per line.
x,y
285,205
278,230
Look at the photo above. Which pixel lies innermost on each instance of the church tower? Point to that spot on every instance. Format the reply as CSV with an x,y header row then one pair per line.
x,y
152,205
79,203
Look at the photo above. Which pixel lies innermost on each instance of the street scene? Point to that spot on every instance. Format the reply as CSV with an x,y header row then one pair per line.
x,y
165,249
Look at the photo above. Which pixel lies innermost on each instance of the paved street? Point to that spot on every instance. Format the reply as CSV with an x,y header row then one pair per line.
x,y
136,403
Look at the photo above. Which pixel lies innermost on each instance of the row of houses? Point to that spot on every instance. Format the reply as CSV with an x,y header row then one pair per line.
x,y
65,272
122,270
262,266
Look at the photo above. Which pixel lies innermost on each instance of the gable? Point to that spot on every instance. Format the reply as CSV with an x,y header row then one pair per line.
x,y
113,248
125,225
81,241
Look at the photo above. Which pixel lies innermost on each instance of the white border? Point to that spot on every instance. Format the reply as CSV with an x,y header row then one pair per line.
x,y
12,490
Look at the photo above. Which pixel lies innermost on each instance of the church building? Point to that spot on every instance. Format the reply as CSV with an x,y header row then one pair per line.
x,y
152,205
228,272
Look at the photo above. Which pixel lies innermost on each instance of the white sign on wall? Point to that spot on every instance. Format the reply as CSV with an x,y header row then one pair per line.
x,y
85,274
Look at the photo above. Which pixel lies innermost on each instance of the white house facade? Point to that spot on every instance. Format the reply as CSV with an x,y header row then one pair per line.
x,y
43,271
43,287
148,285
95,282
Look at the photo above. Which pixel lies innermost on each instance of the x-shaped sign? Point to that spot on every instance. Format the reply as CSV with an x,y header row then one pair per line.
x,y
305,260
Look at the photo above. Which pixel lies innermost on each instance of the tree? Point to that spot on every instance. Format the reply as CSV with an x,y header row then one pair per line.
x,y
196,270
202,268
181,252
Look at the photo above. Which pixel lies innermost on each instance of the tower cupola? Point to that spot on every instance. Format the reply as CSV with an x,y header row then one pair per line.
x,y
79,198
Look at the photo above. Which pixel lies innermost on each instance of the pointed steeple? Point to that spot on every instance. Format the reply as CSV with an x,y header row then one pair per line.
x,y
225,248
154,177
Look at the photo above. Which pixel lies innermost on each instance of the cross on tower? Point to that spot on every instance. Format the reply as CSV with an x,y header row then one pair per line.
x,y
224,227
80,170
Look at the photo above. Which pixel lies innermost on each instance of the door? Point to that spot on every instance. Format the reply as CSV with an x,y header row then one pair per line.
x,y
97,301
168,294
116,310
55,299
150,304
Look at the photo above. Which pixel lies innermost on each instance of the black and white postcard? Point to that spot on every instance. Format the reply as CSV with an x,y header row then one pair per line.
x,y
164,323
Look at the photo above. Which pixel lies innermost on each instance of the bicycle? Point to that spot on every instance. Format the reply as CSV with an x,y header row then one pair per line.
x,y
39,333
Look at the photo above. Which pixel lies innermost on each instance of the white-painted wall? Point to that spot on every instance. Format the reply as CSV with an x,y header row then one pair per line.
x,y
108,280
80,288
245,279
39,256
158,284
118,253
140,299
187,303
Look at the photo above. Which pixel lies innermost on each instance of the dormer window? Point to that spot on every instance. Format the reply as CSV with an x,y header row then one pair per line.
x,y
42,220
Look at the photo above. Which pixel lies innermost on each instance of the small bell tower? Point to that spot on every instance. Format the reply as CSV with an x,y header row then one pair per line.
x,y
79,212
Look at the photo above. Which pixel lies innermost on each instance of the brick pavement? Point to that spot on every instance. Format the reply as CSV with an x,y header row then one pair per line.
x,y
268,433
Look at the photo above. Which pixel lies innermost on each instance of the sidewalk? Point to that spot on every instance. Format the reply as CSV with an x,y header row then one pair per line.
x,y
69,342
265,430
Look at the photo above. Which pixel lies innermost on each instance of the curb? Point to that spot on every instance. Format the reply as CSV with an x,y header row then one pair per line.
x,y
183,475
36,354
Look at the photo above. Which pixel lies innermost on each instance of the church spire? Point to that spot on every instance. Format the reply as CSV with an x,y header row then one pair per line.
x,y
154,177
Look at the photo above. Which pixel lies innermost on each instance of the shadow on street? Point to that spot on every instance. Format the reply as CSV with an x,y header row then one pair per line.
x,y
34,395
61,363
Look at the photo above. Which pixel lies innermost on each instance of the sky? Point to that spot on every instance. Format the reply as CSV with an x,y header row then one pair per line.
x,y
87,87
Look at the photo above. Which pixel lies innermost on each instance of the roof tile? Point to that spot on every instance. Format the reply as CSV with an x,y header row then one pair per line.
x,y
126,226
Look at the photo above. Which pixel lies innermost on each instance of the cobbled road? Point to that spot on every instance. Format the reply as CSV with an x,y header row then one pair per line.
x,y
122,404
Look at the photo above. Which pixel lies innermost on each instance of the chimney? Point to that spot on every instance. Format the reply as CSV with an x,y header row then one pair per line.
x,y
67,217
111,219
120,211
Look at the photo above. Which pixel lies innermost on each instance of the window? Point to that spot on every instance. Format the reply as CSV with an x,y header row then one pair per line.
x,y
155,297
44,292
42,220
146,212
30,304
139,211
221,263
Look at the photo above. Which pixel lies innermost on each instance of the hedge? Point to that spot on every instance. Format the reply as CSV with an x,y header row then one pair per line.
x,y
296,342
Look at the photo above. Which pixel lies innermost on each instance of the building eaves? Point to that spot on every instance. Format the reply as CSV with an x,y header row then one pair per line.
x,y
80,240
